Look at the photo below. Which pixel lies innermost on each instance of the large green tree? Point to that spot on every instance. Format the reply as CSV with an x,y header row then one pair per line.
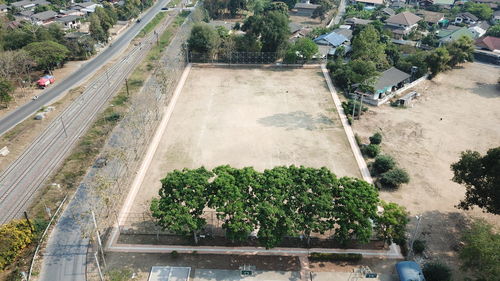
x,y
271,28
390,225
183,197
355,206
481,177
231,197
6,90
204,39
482,11
438,61
461,50
367,46
47,54
302,50
96,30
480,253
494,31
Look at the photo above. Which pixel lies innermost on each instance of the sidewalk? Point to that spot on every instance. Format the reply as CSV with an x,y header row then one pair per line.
x,y
365,173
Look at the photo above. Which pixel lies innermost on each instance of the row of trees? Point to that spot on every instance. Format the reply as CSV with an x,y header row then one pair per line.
x,y
279,202
101,21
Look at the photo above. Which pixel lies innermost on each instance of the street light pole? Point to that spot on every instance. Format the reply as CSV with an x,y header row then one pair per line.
x,y
412,241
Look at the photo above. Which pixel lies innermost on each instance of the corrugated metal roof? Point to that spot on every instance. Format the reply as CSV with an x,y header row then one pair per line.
x,y
409,271
332,38
390,77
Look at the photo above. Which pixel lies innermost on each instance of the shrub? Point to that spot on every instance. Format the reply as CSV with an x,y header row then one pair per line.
x,y
14,237
358,140
349,120
394,178
382,164
419,246
376,138
352,257
174,254
371,150
436,271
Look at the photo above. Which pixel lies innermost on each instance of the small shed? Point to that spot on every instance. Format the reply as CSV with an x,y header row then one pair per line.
x,y
406,99
409,271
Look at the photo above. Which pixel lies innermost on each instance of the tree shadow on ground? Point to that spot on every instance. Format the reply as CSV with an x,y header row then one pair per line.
x,y
296,120
486,90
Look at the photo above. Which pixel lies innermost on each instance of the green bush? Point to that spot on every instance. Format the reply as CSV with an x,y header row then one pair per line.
x,y
174,254
376,138
14,237
419,246
436,271
351,105
358,140
371,150
349,120
382,164
352,257
394,178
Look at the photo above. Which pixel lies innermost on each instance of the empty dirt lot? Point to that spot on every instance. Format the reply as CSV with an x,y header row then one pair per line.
x,y
250,117
468,101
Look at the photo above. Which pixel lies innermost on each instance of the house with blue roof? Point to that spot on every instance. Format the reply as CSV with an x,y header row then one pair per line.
x,y
409,271
331,41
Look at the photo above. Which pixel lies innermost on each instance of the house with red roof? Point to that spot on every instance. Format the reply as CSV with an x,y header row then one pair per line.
x,y
489,43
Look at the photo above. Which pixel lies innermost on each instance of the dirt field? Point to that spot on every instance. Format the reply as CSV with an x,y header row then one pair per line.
x,y
468,101
250,117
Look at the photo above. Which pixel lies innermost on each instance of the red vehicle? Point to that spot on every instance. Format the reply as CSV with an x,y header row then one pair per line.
x,y
45,81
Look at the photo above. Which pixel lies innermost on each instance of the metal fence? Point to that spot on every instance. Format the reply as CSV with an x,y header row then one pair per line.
x,y
247,58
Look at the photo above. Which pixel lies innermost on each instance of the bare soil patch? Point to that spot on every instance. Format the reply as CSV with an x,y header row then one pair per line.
x,y
457,111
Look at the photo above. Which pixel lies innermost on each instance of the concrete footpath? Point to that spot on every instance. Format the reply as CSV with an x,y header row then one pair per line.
x,y
363,168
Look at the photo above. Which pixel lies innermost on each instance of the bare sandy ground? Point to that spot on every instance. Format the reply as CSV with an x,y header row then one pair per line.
x,y
468,101
250,117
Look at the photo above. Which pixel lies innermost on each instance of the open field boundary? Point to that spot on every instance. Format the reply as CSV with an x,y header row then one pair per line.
x,y
363,168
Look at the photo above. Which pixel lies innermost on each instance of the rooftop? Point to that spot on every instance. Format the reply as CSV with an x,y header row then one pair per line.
x,y
334,38
357,21
45,15
468,15
69,18
453,34
306,6
430,16
375,2
404,18
390,77
489,42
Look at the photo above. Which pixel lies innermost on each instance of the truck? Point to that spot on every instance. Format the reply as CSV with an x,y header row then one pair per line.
x,y
45,81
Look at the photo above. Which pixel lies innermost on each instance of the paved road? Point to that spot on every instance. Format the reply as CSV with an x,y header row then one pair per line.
x,y
59,88
339,15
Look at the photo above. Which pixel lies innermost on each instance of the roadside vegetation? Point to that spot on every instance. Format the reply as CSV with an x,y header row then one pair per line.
x,y
152,24
278,202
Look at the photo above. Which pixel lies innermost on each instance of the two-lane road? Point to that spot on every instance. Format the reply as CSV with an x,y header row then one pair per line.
x,y
77,77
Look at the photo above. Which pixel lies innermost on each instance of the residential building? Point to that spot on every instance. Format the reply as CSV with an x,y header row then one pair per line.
x,y
489,43
369,4
402,23
452,33
70,22
44,18
479,29
328,43
85,7
388,11
355,22
28,4
496,17
430,17
466,18
388,82
3,8
305,9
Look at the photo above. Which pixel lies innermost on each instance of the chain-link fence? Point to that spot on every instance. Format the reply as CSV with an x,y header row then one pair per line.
x,y
249,58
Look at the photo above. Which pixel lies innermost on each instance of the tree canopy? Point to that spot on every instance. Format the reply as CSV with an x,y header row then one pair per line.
x,y
47,54
481,177
204,39
279,202
366,46
480,253
302,50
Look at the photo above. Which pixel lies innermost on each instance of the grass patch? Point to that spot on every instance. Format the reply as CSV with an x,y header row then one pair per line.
x,y
151,25
173,3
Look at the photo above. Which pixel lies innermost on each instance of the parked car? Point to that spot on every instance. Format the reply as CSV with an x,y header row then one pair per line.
x,y
45,81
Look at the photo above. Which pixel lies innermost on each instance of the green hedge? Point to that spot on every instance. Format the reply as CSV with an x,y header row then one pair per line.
x,y
335,257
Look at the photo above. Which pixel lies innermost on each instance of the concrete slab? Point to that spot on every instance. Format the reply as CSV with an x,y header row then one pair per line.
x,y
234,275
168,273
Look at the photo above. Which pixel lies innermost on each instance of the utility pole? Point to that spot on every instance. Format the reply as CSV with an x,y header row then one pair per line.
x,y
98,267
360,106
126,86
99,242
29,222
419,218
